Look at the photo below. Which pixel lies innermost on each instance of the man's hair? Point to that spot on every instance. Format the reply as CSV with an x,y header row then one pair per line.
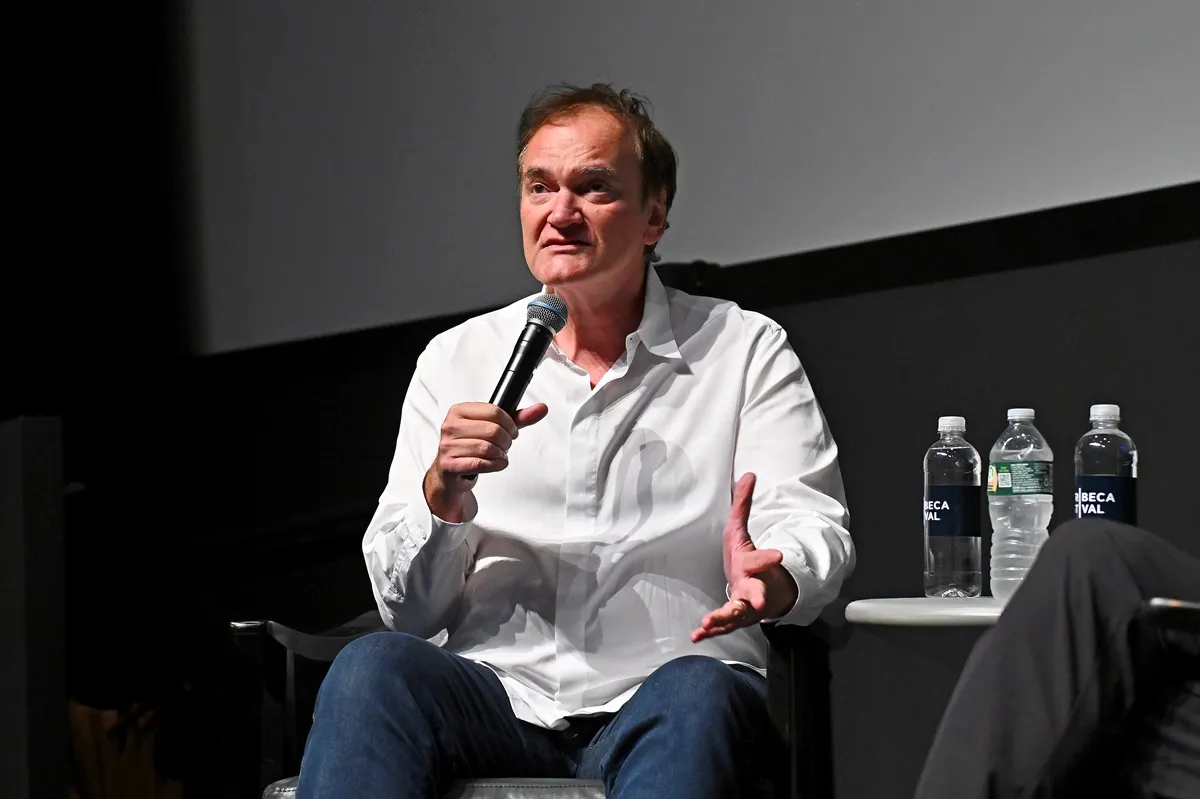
x,y
655,154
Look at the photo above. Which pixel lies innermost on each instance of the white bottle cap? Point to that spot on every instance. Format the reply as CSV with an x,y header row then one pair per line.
x,y
1105,412
1020,413
952,424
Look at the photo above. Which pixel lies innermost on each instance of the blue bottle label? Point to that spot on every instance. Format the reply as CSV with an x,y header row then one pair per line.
x,y
953,510
1106,497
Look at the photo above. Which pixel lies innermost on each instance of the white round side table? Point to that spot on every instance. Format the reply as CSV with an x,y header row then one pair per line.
x,y
926,611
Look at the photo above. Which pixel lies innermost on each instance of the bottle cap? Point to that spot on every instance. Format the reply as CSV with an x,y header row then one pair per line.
x,y
1020,413
1105,412
952,424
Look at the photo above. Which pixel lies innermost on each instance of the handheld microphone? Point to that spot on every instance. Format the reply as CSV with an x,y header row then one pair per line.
x,y
546,315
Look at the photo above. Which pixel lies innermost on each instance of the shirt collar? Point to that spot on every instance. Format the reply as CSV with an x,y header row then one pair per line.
x,y
654,331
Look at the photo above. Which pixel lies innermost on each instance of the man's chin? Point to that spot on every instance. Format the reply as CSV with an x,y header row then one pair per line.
x,y
562,270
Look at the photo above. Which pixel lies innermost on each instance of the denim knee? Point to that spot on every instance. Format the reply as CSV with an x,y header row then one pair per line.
x,y
694,681
371,666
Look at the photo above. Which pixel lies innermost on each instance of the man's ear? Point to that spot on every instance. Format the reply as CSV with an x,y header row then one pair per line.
x,y
657,224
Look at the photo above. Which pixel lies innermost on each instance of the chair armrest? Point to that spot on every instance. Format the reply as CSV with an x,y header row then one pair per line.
x,y
1172,614
268,642
323,647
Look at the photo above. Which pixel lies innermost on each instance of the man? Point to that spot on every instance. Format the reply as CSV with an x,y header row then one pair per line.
x,y
670,483
1075,692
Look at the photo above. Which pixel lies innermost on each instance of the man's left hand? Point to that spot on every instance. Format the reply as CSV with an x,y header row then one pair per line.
x,y
759,587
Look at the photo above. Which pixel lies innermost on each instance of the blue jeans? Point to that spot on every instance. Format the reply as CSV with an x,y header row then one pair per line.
x,y
399,717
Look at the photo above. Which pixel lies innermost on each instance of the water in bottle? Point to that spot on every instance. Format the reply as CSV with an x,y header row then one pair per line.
x,y
953,506
1106,462
1020,500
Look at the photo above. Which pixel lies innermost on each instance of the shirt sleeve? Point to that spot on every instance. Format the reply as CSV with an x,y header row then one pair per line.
x,y
417,562
799,503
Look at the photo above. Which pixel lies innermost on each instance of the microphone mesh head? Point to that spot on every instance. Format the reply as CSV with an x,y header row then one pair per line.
x,y
548,309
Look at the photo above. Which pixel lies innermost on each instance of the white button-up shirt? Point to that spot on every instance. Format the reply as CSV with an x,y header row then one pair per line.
x,y
587,563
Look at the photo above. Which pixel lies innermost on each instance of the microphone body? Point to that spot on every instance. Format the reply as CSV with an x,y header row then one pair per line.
x,y
530,347
546,314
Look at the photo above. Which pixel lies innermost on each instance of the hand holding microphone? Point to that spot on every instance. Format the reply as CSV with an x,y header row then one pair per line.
x,y
475,439
476,436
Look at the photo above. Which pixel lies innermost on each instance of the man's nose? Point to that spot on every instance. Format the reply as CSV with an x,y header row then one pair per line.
x,y
565,211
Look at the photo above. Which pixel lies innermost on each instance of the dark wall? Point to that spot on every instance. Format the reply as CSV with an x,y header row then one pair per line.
x,y
1121,328
32,679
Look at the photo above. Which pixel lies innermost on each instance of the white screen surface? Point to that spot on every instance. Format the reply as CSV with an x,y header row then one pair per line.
x,y
354,160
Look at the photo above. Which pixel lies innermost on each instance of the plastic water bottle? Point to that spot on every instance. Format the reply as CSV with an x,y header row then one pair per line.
x,y
1020,500
1106,463
952,509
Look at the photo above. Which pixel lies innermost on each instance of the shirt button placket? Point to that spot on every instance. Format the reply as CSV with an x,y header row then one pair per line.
x,y
571,581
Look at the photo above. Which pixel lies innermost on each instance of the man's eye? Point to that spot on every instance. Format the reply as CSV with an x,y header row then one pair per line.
x,y
598,186
538,188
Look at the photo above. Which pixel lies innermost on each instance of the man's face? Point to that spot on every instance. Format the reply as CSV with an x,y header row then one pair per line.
x,y
582,214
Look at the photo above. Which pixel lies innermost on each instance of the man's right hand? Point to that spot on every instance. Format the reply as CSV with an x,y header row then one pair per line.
x,y
475,439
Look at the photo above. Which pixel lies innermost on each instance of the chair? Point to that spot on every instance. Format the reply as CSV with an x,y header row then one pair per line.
x,y
797,694
1172,614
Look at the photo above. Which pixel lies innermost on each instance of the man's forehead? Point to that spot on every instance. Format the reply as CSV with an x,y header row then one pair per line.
x,y
592,115
589,135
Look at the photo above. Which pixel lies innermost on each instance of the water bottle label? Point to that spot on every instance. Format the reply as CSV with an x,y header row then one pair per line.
x,y
953,510
1020,477
1106,497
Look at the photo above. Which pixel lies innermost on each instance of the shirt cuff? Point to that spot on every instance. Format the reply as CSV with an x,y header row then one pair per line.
x,y
440,535
795,564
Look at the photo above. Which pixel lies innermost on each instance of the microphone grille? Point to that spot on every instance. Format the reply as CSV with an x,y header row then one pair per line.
x,y
548,309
